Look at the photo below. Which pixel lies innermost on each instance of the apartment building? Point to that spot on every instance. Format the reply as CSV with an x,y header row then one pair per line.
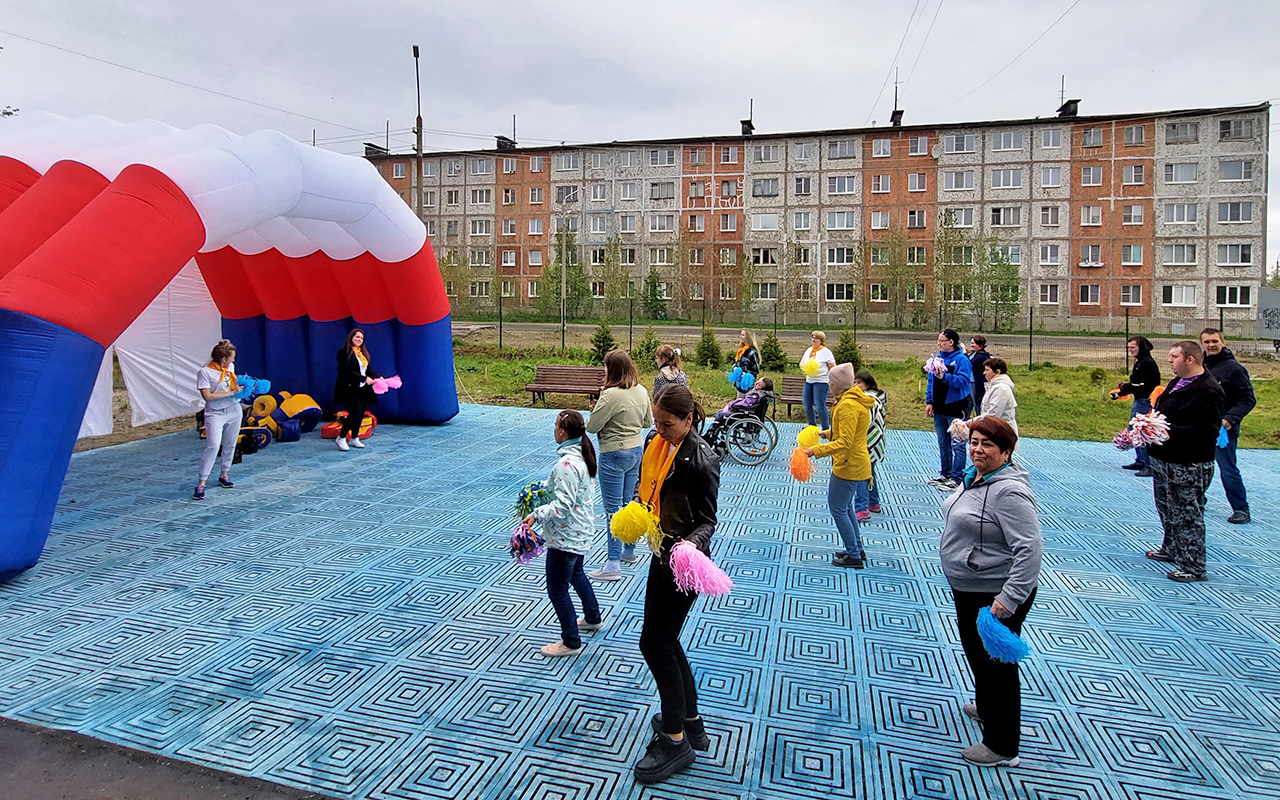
x,y
1159,217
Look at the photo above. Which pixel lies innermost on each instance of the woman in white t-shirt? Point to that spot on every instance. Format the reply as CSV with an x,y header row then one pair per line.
x,y
217,384
816,383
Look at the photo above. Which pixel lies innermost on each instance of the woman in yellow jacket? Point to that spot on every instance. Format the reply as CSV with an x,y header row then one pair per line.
x,y
850,461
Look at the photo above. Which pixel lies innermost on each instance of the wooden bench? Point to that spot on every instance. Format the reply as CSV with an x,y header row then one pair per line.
x,y
793,393
560,379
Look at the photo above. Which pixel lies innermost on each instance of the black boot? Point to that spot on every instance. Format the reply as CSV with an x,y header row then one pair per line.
x,y
663,758
694,731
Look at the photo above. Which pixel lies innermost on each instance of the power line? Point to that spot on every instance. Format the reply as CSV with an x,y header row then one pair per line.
x,y
926,40
889,74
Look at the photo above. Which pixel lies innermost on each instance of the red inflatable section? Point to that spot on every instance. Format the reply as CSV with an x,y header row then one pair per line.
x,y
223,273
44,209
102,269
419,297
15,179
314,276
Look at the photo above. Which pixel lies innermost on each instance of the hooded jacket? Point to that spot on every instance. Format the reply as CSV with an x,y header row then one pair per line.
x,y
977,359
954,401
998,401
1195,417
991,539
569,520
1146,373
1234,380
850,419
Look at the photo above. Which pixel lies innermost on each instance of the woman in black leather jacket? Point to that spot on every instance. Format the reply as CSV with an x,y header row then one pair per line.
x,y
353,387
687,494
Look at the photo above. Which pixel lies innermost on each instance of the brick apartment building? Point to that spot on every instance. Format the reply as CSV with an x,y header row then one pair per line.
x,y
1159,216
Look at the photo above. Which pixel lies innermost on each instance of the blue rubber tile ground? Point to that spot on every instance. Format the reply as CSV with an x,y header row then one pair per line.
x,y
352,624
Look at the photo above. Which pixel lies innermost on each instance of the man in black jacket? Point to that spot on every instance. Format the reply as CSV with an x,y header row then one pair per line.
x,y
978,356
1182,467
1234,379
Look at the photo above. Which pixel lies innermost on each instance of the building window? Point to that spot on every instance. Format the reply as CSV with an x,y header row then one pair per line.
x,y
728,222
1049,216
453,168
728,256
536,163
1235,170
1182,133
1006,216
535,227
480,258
627,256
881,148
597,289
1179,213
961,143
879,256
1051,137
698,156
1135,174
566,194
879,184
729,188
728,155
1178,295
664,290
428,199
1235,255
1092,137
918,146
1049,255
1235,212
1090,255
507,289
597,256
844,184
629,158
397,169
842,255
1130,294
535,258
1091,176
1134,135
629,191
1234,296
1181,173
803,152
879,220
728,291
450,290
566,161
916,219
697,222
1051,177
802,222
481,197
697,189
431,227
1090,215
1011,253
1007,140
481,166
695,291
452,197
479,288
959,293
879,293
481,227
958,217
839,292
663,190
957,180
803,187
1131,215
1131,255
695,256
569,224
1179,254
662,158
764,187
1229,129
508,197
1090,294
533,289
841,149
597,160
961,254
660,256
627,223
841,220
917,254
508,227
1048,294
765,291
766,153
428,169
535,194
804,291
451,228
916,293
1006,178
764,222
918,182
599,224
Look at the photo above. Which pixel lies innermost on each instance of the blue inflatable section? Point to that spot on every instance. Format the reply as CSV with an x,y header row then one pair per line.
x,y
48,374
300,355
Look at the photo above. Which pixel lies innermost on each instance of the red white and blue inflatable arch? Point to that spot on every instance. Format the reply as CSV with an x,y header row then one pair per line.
x,y
144,236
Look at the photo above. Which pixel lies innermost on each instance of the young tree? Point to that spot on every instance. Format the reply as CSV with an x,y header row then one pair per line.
x,y
953,255
614,278
683,273
654,306
708,351
772,356
456,273
602,342
577,292
788,276
746,273
897,275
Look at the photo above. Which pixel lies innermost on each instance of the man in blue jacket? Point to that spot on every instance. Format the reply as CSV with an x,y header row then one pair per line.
x,y
1237,386
948,398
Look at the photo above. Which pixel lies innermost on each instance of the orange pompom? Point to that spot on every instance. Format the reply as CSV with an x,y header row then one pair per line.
x,y
801,466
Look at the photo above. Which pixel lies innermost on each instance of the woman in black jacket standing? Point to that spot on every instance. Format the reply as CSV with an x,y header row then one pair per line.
x,y
680,482
1144,378
353,388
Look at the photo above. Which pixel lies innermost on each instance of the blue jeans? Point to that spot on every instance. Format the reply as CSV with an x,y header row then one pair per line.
x,y
815,397
867,494
951,453
840,501
565,569
619,472
1143,406
1230,473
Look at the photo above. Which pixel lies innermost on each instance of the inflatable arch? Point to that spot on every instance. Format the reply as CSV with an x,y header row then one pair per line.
x,y
295,245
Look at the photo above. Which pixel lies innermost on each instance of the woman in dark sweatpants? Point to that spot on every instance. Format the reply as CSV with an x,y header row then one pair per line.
x,y
680,482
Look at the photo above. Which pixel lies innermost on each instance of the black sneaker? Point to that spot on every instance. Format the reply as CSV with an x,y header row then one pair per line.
x,y
663,758
1145,472
847,560
694,730
1134,466
1239,517
224,483
199,495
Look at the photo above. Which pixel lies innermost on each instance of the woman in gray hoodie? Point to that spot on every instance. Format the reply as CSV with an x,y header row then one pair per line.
x,y
991,548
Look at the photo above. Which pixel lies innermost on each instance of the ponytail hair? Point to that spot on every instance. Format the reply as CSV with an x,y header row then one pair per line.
x,y
575,427
677,401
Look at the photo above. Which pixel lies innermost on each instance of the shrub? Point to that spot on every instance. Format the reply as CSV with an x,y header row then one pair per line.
x,y
602,342
772,357
645,350
847,351
1098,375
708,351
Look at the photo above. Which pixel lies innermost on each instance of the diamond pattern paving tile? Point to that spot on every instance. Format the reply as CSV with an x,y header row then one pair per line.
x,y
359,631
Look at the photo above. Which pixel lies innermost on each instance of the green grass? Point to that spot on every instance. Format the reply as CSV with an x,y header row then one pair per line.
x,y
1053,402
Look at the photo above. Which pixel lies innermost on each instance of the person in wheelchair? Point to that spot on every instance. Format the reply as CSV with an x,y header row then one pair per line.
x,y
756,403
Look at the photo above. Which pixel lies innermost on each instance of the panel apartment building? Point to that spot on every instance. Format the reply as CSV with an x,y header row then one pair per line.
x,y
1160,217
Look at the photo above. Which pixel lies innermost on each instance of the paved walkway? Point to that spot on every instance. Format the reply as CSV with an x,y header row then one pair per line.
x,y
351,624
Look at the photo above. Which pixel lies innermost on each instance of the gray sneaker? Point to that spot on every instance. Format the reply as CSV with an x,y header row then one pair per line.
x,y
630,559
984,756
971,711
605,575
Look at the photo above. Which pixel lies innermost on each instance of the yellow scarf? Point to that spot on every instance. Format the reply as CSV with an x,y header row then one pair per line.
x,y
223,372
741,349
654,468
364,362
812,354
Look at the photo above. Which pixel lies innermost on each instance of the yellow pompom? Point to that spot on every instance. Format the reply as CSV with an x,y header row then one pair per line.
x,y
808,436
810,368
634,522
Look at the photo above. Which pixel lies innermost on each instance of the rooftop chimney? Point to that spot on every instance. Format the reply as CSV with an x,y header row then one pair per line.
x,y
1070,108
748,127
375,150
506,143
896,119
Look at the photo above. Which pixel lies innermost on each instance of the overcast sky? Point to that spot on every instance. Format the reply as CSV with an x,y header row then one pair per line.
x,y
597,71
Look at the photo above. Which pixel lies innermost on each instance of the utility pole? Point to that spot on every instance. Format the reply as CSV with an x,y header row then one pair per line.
x,y
417,192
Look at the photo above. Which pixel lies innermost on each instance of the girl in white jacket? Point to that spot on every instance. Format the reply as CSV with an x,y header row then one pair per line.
x,y
568,524
998,401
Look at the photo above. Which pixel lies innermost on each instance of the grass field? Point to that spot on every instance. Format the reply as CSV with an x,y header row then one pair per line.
x,y
1053,402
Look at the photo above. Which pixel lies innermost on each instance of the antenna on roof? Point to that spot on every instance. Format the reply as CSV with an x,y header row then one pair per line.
x,y
1062,93
895,119
748,124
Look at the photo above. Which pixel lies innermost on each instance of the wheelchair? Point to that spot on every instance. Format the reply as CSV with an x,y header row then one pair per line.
x,y
747,436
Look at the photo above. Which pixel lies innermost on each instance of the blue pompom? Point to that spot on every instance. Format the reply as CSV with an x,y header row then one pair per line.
x,y
735,375
746,382
1002,644
1223,440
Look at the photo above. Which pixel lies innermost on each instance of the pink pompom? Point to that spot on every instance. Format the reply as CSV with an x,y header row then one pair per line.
x,y
379,385
394,382
694,572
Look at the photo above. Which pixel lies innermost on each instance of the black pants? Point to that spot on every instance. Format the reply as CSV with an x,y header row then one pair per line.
x,y
665,609
997,691
355,415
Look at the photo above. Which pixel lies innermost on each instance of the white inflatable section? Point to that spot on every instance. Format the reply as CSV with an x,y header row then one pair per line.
x,y
97,416
258,191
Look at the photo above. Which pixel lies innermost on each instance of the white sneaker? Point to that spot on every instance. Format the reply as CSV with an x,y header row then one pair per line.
x,y
342,444
583,625
605,575
356,443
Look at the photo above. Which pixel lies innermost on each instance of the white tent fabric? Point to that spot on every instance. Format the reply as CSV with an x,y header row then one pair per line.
x,y
97,417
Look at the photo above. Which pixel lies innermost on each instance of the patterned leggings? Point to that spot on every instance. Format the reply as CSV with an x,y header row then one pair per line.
x,y
1179,491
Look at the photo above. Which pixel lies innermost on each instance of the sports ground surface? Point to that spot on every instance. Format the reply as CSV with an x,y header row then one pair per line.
x,y
351,624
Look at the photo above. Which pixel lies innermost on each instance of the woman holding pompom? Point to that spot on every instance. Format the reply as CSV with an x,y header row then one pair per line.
x,y
746,359
353,388
680,482
816,364
850,462
991,548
